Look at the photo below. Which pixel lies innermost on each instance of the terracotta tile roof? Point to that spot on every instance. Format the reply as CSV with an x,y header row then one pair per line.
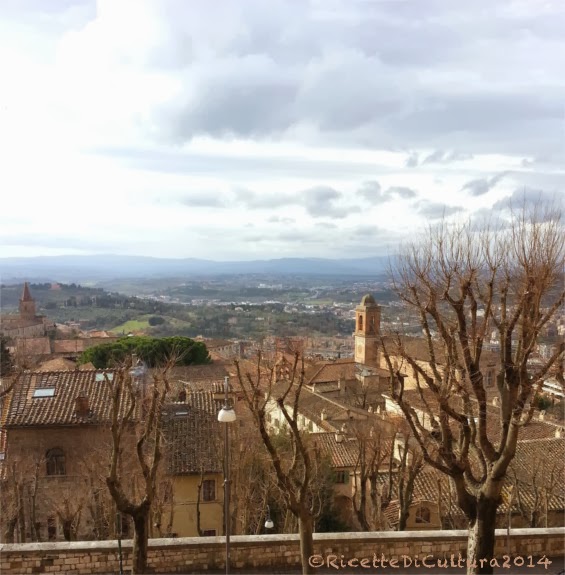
x,y
331,371
193,435
57,364
58,407
538,464
217,343
74,346
344,454
194,373
417,348
426,488
427,402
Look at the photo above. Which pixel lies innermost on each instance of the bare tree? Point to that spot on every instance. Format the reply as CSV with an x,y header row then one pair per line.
x,y
465,283
374,448
411,464
12,491
295,474
68,506
136,422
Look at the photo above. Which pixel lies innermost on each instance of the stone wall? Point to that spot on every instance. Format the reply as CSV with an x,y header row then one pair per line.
x,y
197,554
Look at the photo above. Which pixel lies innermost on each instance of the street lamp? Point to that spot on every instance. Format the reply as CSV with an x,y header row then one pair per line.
x,y
227,416
269,522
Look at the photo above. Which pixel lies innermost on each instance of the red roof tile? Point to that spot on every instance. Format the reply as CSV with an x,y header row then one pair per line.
x,y
34,404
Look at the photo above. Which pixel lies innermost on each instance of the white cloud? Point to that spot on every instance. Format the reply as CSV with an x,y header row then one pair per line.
x,y
134,123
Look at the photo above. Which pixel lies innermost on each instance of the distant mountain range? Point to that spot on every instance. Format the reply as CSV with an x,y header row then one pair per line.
x,y
105,267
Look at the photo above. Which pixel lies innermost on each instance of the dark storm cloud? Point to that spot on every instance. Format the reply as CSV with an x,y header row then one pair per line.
x,y
436,210
482,186
373,73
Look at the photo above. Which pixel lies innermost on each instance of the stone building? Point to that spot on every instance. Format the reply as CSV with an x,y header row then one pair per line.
x,y
27,324
55,446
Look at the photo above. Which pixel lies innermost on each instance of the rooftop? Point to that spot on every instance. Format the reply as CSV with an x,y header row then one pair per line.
x,y
193,435
49,398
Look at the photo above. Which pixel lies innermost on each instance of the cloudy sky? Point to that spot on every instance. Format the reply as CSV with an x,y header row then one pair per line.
x,y
262,128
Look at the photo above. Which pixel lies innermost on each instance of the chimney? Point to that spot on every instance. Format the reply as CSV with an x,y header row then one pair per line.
x,y
324,414
495,401
82,408
341,387
559,433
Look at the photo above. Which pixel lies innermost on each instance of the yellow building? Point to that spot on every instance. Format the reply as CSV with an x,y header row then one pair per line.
x,y
195,465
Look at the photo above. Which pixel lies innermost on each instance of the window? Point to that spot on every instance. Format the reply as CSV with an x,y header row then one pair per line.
x,y
342,477
44,392
209,490
56,462
489,379
209,533
423,515
360,323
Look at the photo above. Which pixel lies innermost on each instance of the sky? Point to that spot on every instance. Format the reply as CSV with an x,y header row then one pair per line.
x,y
251,129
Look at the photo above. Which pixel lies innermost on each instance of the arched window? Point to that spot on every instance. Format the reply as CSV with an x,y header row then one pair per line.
x,y
56,462
360,323
423,515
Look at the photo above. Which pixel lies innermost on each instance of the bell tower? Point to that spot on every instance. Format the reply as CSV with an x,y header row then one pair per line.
x,y
367,331
27,304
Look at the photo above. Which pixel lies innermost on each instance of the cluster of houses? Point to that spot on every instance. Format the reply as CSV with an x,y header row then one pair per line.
x,y
55,446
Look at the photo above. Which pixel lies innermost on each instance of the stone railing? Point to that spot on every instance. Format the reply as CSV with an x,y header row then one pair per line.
x,y
333,551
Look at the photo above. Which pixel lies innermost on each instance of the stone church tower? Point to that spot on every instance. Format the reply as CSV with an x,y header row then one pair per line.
x,y
27,304
367,331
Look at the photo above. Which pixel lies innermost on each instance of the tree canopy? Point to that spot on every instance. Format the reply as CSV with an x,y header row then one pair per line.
x,y
152,350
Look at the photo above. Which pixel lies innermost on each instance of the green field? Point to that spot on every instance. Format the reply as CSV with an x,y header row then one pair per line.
x,y
131,325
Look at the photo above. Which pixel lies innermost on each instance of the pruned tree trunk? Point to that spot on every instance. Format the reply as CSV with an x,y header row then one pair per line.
x,y
140,540
480,543
306,529
10,529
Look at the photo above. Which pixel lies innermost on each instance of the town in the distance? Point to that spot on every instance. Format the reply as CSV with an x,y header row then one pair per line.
x,y
346,402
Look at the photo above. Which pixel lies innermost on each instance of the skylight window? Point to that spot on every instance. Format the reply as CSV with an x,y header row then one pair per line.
x,y
100,376
179,413
44,392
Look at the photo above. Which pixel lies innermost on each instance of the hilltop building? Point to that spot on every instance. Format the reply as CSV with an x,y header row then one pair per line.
x,y
27,324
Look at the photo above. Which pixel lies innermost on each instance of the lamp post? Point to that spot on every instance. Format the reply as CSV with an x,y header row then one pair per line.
x,y
269,522
227,416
